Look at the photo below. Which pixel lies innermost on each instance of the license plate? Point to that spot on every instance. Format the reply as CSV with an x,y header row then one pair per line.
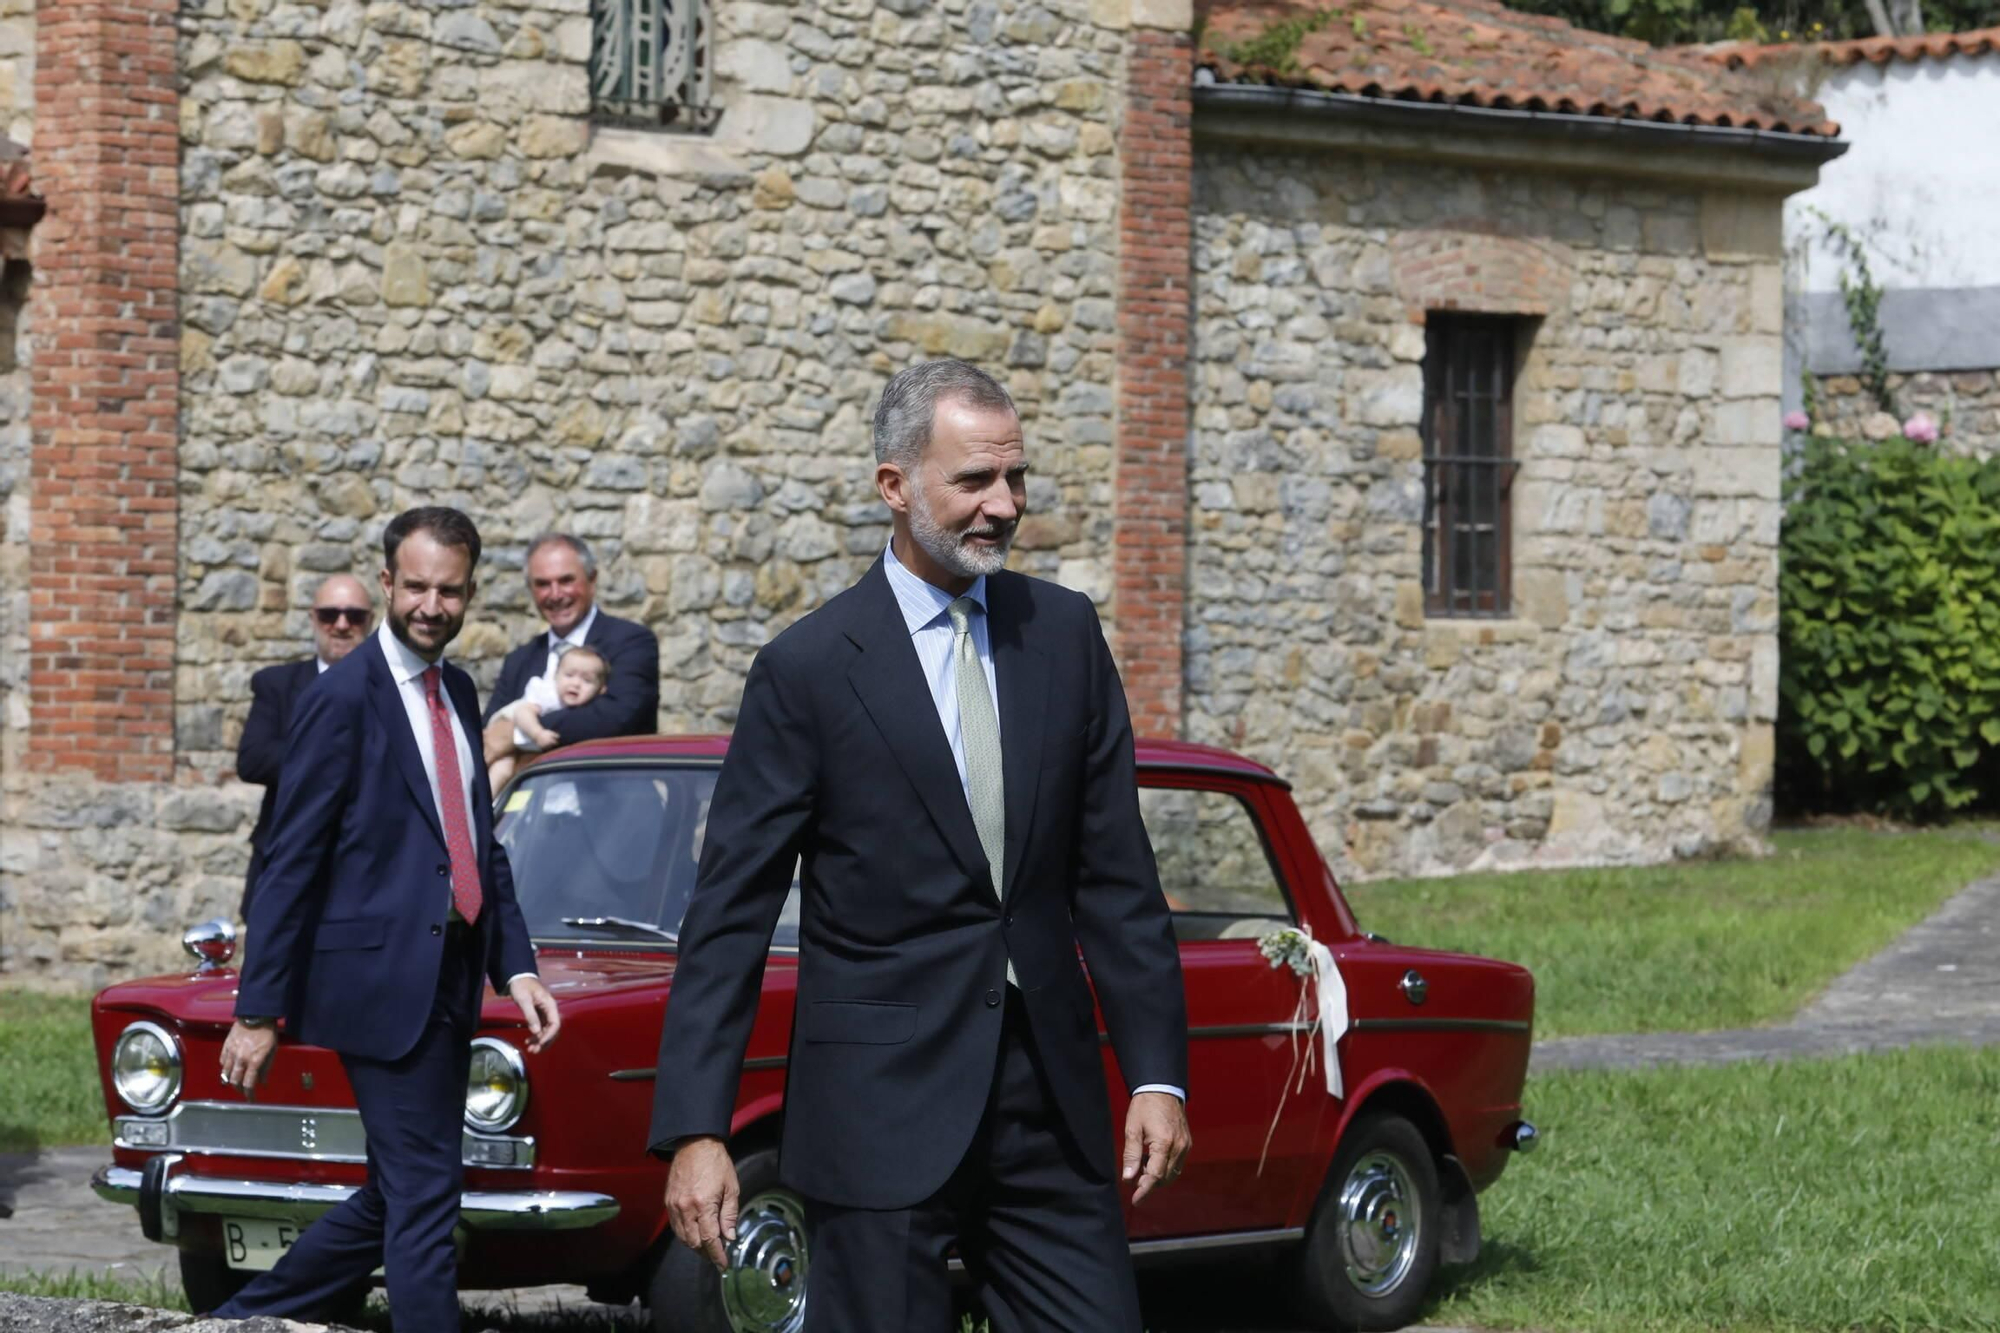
x,y
256,1244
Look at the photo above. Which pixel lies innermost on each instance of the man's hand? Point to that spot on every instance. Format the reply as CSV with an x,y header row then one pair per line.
x,y
246,1056
539,1008
702,1198
1157,1139
497,741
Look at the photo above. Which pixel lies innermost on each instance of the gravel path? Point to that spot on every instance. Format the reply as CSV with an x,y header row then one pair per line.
x,y
1940,982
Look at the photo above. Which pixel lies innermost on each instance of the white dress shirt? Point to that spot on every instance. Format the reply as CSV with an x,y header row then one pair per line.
x,y
925,611
577,634
408,669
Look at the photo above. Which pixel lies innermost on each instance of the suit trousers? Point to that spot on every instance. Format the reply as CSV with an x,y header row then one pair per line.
x,y
1041,1235
401,1220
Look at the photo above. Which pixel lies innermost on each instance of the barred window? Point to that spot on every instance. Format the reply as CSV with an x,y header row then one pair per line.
x,y
650,65
1468,463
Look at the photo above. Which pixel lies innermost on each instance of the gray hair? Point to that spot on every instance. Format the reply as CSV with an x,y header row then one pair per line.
x,y
565,539
910,401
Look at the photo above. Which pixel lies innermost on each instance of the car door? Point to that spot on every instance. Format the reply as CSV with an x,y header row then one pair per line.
x,y
1252,1124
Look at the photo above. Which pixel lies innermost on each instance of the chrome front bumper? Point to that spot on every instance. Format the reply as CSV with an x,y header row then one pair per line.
x,y
161,1194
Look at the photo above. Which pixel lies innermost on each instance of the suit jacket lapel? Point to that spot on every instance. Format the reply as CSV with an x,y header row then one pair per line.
x,y
892,689
1022,673
395,720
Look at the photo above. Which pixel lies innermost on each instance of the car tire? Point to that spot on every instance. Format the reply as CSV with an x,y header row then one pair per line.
x,y
1372,1245
208,1281
768,1293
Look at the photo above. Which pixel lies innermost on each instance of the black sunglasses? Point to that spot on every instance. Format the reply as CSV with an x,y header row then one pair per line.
x,y
353,615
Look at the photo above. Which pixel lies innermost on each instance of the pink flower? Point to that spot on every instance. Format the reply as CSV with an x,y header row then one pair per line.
x,y
1797,421
1921,429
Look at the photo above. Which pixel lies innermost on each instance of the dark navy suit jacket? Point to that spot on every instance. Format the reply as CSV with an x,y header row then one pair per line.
x,y
347,923
260,755
630,704
840,765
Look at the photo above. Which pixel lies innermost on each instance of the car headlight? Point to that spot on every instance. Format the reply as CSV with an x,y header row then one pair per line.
x,y
496,1087
146,1067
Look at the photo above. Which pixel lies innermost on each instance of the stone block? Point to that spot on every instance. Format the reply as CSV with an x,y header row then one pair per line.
x,y
1748,421
1737,225
1752,368
1172,15
405,279
282,62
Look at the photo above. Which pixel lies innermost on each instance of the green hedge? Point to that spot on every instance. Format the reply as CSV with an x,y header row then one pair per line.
x,y
1889,624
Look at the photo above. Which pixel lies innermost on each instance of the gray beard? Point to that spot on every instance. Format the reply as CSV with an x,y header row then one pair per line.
x,y
950,550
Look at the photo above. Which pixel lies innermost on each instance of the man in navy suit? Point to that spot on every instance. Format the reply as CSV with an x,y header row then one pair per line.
x,y
943,750
562,579
341,619
384,902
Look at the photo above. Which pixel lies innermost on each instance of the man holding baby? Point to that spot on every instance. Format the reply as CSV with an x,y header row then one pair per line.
x,y
613,689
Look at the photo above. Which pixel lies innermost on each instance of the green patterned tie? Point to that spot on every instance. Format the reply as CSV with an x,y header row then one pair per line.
x,y
980,727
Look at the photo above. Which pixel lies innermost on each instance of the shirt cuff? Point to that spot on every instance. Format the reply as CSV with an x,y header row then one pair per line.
x,y
516,977
1167,1088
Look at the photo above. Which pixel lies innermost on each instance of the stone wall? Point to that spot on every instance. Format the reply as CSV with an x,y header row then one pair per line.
x,y
1965,403
1624,713
414,270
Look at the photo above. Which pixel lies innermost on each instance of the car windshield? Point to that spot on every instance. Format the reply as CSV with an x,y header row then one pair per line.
x,y
606,855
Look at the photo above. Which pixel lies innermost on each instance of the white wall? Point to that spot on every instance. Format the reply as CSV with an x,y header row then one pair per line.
x,y
1920,188
1921,183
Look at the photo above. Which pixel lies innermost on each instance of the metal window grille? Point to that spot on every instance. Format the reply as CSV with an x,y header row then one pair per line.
x,y
649,63
1468,464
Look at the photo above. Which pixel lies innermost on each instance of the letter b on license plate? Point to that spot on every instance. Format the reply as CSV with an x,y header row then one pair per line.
x,y
256,1244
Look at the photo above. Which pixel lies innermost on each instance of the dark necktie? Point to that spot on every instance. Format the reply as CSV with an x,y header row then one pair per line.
x,y
465,894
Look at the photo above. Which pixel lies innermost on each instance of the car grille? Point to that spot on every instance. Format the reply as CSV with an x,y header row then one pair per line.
x,y
300,1133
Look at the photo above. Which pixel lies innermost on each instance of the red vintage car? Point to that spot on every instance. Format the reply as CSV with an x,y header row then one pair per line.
x,y
1367,1193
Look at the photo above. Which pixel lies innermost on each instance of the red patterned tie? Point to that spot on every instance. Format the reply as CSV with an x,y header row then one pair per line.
x,y
465,895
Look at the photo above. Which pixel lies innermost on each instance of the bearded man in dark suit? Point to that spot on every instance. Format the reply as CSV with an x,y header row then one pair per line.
x,y
944,752
384,907
341,619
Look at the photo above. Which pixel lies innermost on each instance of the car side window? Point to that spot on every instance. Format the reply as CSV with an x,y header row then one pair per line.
x,y
1215,868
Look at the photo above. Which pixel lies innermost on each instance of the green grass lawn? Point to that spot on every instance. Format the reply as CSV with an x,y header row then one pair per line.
x,y
1851,1194
49,1092
1692,946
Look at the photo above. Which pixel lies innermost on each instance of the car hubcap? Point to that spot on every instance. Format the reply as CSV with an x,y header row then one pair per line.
x,y
764,1290
1381,1224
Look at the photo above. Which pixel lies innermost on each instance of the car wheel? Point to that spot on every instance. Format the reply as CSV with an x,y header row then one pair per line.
x,y
765,1288
1372,1245
208,1281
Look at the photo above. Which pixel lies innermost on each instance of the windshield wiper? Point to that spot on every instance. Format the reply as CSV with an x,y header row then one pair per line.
x,y
623,926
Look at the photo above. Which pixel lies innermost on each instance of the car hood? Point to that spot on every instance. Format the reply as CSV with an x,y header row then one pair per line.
x,y
209,998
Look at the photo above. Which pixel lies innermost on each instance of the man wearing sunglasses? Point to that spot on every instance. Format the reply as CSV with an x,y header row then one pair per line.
x,y
342,616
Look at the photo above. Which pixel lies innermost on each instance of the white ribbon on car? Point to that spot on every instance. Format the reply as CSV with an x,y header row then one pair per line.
x,y
1320,1013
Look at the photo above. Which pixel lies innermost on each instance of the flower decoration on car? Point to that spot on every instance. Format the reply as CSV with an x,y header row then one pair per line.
x,y
1319,1015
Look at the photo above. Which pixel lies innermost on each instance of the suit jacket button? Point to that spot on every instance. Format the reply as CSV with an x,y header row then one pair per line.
x,y
444,868
993,999
437,930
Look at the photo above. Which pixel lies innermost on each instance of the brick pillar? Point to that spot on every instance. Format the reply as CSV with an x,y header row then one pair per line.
x,y
1155,262
105,381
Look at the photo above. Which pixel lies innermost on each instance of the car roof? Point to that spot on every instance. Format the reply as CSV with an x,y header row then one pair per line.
x,y
1151,753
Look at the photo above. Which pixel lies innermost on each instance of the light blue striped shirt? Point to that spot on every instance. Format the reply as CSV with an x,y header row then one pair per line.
x,y
925,611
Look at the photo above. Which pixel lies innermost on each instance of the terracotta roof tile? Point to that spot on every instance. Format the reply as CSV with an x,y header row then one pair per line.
x,y
1479,53
1874,50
